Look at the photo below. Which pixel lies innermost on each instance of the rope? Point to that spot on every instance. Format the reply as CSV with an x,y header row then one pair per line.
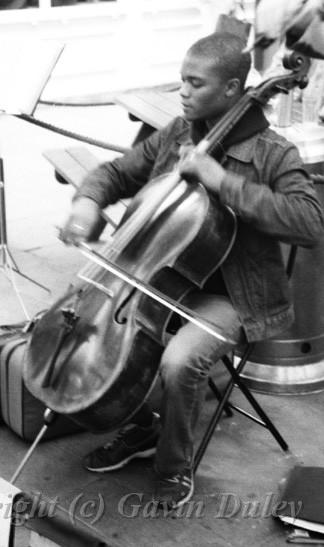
x,y
63,103
72,135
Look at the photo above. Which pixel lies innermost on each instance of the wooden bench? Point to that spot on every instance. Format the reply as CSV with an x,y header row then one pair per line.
x,y
71,166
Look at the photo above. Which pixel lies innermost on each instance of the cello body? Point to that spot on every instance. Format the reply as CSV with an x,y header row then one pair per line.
x,y
108,360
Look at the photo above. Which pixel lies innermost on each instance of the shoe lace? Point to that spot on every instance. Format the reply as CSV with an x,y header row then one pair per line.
x,y
120,435
123,432
178,479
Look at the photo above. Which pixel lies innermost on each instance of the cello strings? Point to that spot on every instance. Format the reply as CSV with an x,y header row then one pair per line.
x,y
133,225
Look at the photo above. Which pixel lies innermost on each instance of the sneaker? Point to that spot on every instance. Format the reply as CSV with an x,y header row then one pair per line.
x,y
175,490
132,441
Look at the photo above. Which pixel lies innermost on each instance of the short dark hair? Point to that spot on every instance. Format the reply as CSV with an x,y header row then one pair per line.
x,y
226,51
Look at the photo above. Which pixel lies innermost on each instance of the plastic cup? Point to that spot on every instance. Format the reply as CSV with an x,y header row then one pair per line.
x,y
310,109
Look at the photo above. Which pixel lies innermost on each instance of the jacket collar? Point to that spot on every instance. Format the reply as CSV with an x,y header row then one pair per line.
x,y
240,142
243,151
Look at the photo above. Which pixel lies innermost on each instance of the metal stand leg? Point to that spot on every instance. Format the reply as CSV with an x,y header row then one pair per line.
x,y
49,417
7,262
219,396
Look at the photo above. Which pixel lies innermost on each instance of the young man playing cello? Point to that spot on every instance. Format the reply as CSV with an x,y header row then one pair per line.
x,y
261,178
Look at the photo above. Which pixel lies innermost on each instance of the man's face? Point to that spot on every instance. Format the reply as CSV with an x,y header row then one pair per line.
x,y
203,93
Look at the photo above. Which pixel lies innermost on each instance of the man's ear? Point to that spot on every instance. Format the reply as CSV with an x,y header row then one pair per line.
x,y
233,87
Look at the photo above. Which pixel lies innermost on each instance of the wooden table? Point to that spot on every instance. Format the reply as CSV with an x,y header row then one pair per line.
x,y
155,106
309,138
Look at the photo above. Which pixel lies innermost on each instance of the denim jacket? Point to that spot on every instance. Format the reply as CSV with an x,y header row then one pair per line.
x,y
271,195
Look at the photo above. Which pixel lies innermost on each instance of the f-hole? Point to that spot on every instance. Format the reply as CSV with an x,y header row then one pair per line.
x,y
119,318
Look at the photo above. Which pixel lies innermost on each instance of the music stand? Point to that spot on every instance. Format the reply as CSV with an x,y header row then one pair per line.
x,y
7,263
33,65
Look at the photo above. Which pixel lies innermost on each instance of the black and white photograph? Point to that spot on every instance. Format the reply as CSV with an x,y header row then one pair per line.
x,y
161,273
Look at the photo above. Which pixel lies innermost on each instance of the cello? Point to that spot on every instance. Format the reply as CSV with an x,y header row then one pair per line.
x,y
94,355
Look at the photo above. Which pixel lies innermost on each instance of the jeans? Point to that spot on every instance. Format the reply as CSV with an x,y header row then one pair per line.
x,y
185,367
